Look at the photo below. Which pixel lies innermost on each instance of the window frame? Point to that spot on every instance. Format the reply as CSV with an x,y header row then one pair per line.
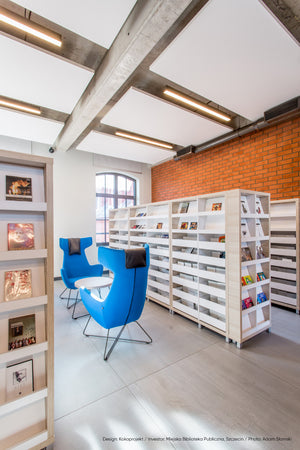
x,y
115,196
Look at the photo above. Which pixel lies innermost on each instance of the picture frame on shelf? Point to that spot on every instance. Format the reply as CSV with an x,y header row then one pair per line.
x,y
21,331
20,236
18,188
19,380
216,206
159,225
184,225
17,284
193,226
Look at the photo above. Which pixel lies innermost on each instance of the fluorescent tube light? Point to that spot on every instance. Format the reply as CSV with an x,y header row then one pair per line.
x,y
29,27
143,139
20,106
197,105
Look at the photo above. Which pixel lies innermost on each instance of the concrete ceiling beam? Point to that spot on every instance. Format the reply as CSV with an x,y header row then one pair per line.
x,y
145,26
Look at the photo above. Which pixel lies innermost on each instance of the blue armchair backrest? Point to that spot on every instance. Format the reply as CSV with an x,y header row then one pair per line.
x,y
76,265
127,293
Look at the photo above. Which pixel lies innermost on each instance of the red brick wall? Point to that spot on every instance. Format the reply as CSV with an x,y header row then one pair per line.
x,y
266,160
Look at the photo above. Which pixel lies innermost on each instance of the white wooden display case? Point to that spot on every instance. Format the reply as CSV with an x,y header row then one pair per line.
x,y
26,415
285,253
195,258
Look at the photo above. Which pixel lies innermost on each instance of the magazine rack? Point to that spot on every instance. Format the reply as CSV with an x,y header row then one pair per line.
x,y
196,249
285,253
26,301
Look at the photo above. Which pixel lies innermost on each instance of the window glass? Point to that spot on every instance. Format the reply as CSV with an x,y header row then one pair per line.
x,y
112,191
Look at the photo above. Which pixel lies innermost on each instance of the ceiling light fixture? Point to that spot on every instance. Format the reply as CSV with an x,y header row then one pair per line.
x,y
20,106
29,27
190,102
143,139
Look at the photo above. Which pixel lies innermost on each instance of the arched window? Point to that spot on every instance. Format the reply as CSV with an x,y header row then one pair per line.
x,y
113,190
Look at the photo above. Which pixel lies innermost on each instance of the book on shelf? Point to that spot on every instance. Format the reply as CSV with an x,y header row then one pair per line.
x,y
21,331
258,206
247,303
259,251
260,276
261,297
244,228
259,229
247,279
246,254
18,188
244,205
216,206
19,379
20,236
184,225
159,225
193,226
222,238
17,284
183,207
141,214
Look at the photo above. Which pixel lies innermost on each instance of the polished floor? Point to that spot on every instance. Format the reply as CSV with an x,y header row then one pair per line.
x,y
187,390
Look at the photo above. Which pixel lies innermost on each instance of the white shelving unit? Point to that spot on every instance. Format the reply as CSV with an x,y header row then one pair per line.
x,y
26,414
285,253
195,258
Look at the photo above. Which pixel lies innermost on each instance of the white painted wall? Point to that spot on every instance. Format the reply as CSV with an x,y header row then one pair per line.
x,y
74,189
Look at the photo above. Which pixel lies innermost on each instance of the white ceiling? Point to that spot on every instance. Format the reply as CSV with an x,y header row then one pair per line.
x,y
233,53
147,115
37,77
104,144
28,127
96,20
236,54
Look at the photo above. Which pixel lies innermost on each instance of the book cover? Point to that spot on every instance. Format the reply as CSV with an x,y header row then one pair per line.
x,y
248,302
183,207
216,207
244,228
261,297
244,205
184,226
159,225
259,251
193,225
222,239
20,236
247,279
258,206
260,276
17,285
18,188
246,254
21,331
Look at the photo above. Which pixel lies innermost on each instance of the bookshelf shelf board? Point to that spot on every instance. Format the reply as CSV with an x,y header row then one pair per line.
x,y
158,274
211,213
283,251
255,261
185,269
254,285
186,309
17,255
283,299
285,287
185,295
160,286
23,352
178,230
213,306
156,296
283,240
218,231
185,282
23,206
247,334
15,305
34,442
284,275
217,323
157,216
9,407
255,238
255,307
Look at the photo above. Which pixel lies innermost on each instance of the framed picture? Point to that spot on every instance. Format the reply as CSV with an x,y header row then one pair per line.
x,y
18,188
216,207
159,225
21,331
193,225
184,226
19,380
20,236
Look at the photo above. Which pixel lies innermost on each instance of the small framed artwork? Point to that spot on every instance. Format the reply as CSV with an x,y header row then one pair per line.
x,y
18,188
19,380
183,207
216,207
159,226
184,225
193,225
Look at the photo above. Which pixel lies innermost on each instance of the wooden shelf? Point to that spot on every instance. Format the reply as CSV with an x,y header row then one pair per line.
x,y
36,429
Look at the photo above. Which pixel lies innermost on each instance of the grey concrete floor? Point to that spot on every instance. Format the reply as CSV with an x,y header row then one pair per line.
x,y
189,389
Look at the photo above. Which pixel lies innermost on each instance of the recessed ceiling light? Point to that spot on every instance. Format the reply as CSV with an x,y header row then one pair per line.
x,y
8,103
29,27
135,137
194,104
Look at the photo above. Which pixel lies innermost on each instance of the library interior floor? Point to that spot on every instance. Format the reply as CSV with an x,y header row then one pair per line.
x,y
189,389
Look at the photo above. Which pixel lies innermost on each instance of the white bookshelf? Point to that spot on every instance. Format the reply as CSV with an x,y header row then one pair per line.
x,y
195,258
285,253
26,417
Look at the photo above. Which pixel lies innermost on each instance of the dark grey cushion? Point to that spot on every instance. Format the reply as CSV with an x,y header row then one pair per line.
x,y
135,257
74,246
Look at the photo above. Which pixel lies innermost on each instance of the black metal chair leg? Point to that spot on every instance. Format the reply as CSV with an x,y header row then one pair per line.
x,y
74,307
